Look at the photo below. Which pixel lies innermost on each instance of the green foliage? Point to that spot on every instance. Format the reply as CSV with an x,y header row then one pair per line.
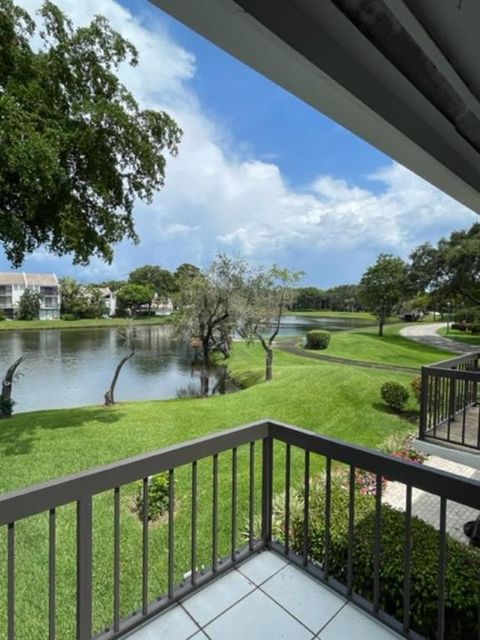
x,y
134,296
76,151
382,287
2,315
475,328
68,317
184,273
80,301
462,594
395,395
6,407
307,298
29,305
416,385
318,339
158,489
160,280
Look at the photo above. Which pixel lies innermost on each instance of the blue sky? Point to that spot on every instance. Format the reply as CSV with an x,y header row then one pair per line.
x,y
259,173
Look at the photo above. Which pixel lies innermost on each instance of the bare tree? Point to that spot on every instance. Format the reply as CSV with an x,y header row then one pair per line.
x,y
129,336
6,402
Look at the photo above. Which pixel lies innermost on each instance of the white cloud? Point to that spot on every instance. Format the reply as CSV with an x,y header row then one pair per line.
x,y
215,199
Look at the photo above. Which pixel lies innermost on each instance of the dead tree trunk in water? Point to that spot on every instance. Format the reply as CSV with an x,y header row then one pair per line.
x,y
110,394
6,395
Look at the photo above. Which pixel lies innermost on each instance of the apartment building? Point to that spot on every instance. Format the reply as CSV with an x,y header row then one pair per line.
x,y
14,283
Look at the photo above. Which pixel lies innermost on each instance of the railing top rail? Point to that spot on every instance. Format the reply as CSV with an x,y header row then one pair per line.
x,y
34,499
454,374
463,490
453,362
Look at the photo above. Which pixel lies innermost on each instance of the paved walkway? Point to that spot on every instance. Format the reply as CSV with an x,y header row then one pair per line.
x,y
291,346
427,506
427,334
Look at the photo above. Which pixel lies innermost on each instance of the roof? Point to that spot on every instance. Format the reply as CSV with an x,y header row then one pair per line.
x,y
19,277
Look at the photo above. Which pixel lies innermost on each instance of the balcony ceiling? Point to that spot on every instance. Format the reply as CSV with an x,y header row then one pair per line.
x,y
401,74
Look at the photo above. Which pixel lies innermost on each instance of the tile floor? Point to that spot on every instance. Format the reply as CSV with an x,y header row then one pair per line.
x,y
266,598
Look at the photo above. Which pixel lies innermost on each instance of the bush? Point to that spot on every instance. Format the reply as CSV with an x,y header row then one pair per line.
x,y
416,385
475,328
158,488
68,316
395,395
6,408
461,581
317,339
459,326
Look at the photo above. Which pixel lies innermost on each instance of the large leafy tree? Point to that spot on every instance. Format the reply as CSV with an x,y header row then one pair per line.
x,y
383,286
29,305
76,150
161,280
133,296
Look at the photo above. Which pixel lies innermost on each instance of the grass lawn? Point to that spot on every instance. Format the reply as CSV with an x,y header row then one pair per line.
x,y
331,399
353,315
392,348
25,325
459,336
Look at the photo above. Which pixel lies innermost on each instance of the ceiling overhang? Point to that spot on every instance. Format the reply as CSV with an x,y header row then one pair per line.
x,y
391,72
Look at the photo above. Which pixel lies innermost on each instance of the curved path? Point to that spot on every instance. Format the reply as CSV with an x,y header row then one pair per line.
x,y
291,346
427,334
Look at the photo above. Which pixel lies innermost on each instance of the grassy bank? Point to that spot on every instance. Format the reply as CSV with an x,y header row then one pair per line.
x,y
365,344
29,325
334,400
353,315
459,336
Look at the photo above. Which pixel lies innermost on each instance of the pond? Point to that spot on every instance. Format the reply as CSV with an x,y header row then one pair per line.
x,y
74,367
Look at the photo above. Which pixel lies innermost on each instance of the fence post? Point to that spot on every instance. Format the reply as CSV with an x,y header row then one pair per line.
x,y
84,568
424,402
452,400
267,489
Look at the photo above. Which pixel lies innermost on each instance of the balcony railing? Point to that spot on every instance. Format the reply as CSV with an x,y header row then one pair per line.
x,y
448,406
270,458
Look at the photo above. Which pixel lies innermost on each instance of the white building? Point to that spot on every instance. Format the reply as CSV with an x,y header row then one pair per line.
x,y
14,283
109,298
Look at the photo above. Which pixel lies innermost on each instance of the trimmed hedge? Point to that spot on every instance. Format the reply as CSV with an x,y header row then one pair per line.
x,y
462,595
395,395
318,339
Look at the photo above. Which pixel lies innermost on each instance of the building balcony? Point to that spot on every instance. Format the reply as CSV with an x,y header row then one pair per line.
x,y
267,533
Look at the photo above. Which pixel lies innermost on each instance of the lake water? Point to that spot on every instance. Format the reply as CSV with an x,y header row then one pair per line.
x,y
74,367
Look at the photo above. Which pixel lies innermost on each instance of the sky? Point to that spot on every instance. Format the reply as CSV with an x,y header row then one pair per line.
x,y
259,173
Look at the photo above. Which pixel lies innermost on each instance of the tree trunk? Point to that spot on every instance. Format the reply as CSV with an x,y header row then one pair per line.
x,y
206,351
204,382
110,394
269,364
6,395
380,328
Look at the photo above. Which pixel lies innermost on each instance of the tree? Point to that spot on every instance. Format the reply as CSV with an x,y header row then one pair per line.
x,y
6,402
81,301
161,280
307,298
133,296
382,287
184,273
267,294
29,305
76,151
209,305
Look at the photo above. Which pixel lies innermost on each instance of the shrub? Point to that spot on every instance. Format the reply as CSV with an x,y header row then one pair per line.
x,y
68,316
318,339
2,315
158,488
461,580
459,326
6,407
475,328
395,395
416,385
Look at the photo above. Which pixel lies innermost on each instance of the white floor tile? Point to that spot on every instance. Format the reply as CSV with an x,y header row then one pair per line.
x,y
257,617
208,603
172,625
305,598
353,624
262,566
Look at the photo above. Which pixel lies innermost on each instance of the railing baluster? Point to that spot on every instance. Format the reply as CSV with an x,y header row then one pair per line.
x,y
287,497
407,559
328,513
146,508
215,515
465,406
377,543
267,489
11,581
442,565
52,581
306,506
234,504
351,529
116,559
251,497
193,569
171,531
84,568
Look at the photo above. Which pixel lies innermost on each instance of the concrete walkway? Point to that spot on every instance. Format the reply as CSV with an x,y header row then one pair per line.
x,y
427,334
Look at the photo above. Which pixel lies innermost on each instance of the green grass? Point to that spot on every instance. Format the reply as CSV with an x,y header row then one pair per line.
x,y
365,344
331,399
353,315
25,325
459,336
